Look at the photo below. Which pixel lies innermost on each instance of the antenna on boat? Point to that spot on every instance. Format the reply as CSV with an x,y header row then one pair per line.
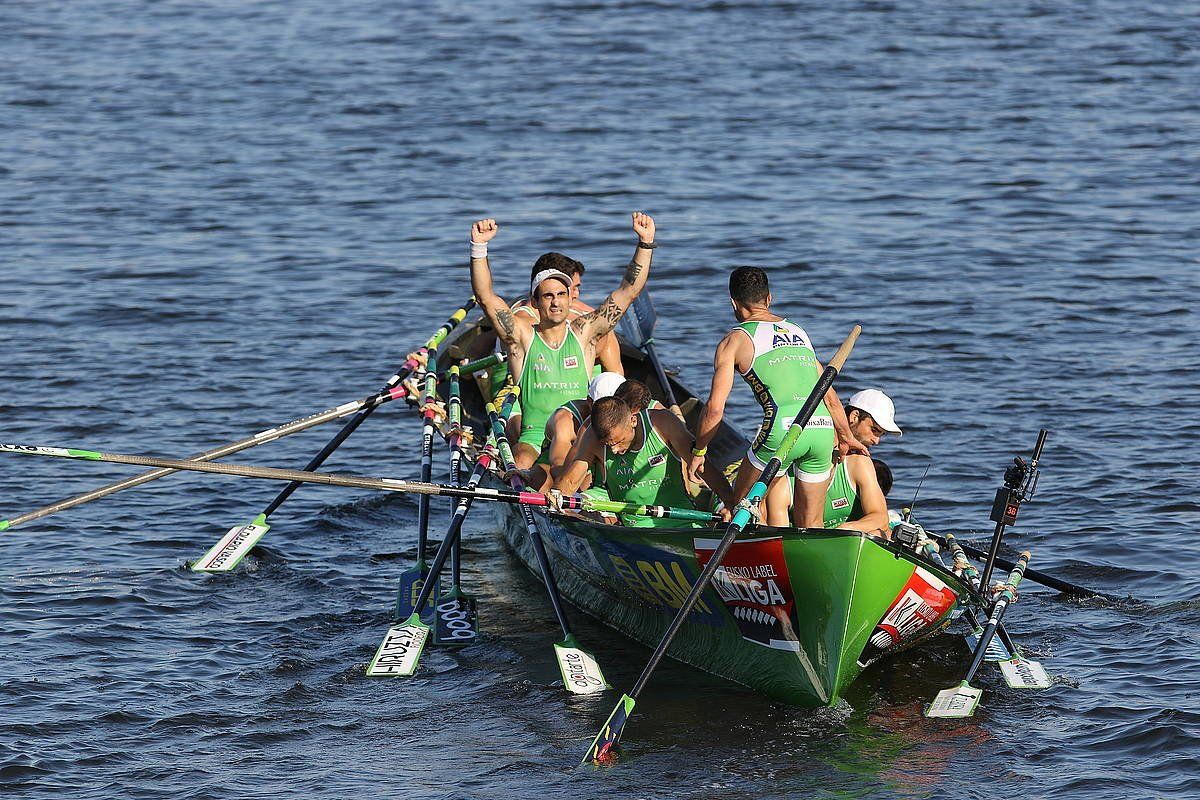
x,y
908,511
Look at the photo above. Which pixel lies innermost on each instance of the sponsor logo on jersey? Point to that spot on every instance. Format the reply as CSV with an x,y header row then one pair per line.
x,y
570,362
841,502
657,460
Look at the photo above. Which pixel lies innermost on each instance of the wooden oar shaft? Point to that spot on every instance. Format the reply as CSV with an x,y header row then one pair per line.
x,y
269,435
276,474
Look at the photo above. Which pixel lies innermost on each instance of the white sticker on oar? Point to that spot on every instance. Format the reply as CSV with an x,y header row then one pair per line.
x,y
400,651
1020,673
226,553
580,672
955,703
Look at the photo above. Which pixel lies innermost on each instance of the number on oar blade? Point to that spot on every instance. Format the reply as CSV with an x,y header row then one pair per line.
x,y
580,672
996,651
457,622
400,651
233,546
1021,673
956,703
411,582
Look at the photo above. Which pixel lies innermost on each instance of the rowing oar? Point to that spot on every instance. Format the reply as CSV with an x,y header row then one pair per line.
x,y
479,365
1019,672
581,673
610,735
1049,581
269,435
961,701
412,579
400,651
639,321
401,648
456,611
240,539
588,503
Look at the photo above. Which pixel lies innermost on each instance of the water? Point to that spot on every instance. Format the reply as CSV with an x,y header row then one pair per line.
x,y
220,216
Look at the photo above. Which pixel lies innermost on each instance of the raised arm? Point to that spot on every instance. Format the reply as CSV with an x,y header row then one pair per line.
x,y
508,327
724,363
595,324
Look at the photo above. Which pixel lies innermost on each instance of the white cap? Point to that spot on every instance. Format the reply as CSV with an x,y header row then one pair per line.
x,y
879,406
547,274
604,384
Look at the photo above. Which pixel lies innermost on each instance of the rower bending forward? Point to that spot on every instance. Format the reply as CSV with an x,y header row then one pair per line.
x,y
553,357
639,456
776,359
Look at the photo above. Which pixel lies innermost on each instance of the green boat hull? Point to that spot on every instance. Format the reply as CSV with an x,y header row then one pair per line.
x,y
796,615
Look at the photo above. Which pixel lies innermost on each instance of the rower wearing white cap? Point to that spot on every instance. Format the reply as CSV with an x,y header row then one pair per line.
x,y
553,357
871,414
856,497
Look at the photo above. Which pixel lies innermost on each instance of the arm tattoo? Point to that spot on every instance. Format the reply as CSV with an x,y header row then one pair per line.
x,y
631,273
508,326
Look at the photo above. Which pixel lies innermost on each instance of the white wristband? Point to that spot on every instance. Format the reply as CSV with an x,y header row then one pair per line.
x,y
478,249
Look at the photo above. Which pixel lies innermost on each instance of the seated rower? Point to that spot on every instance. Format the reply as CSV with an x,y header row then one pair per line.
x,y
639,457
635,394
857,496
562,430
554,356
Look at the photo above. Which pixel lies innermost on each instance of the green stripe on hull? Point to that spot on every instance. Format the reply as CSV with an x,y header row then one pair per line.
x,y
791,614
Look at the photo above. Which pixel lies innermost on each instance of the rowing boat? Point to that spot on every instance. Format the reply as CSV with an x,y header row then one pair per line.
x,y
794,614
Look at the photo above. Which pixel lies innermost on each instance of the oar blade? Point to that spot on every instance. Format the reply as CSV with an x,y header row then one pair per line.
x,y
411,582
233,546
580,672
957,702
456,621
1021,673
605,743
996,651
400,651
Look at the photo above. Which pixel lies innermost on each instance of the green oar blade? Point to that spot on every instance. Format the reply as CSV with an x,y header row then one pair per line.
x,y
400,650
456,620
580,672
609,736
955,703
233,546
1021,673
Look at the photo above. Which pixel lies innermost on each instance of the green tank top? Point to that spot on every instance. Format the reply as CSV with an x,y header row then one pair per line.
x,y
783,373
549,378
651,475
841,499
571,406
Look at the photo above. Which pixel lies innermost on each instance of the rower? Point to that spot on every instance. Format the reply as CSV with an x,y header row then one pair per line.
x,y
636,395
857,496
562,430
776,359
554,356
871,415
639,456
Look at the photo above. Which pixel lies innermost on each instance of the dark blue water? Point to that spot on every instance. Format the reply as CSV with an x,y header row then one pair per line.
x,y
219,216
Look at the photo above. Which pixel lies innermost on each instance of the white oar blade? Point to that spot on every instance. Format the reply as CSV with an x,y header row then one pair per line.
x,y
400,650
227,553
955,703
996,651
1021,673
580,672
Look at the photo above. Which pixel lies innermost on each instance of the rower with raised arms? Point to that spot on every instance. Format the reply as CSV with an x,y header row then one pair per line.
x,y
776,359
554,356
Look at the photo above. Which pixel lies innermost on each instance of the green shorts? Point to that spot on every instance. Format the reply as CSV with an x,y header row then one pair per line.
x,y
810,459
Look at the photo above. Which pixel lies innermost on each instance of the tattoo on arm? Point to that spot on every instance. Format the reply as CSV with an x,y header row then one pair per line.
x,y
632,272
507,325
